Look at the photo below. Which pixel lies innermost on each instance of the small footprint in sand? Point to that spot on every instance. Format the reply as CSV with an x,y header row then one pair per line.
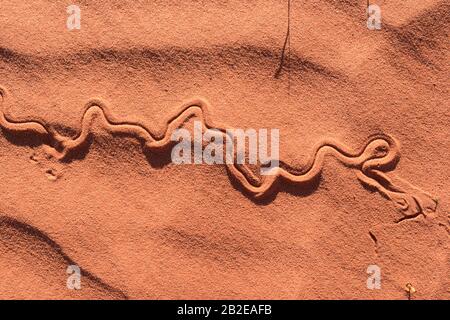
x,y
34,159
51,173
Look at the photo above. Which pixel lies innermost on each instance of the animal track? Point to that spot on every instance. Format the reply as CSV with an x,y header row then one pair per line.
x,y
378,156
51,173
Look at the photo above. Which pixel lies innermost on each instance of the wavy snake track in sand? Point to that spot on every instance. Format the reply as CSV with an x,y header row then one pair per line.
x,y
378,156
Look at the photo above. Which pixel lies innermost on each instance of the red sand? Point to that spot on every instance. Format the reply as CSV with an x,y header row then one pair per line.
x,y
141,227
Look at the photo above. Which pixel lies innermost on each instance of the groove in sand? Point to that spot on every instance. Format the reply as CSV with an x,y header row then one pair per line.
x,y
379,155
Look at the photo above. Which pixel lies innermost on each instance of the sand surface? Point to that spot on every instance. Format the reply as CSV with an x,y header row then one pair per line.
x,y
140,226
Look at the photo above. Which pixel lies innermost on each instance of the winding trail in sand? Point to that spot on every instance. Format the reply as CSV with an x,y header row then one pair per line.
x,y
380,153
